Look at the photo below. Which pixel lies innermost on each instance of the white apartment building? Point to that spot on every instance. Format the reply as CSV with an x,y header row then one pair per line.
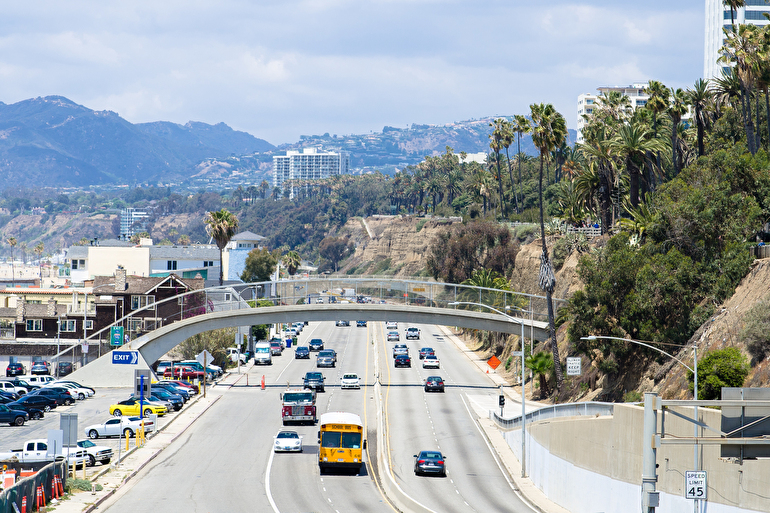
x,y
717,19
132,221
309,164
587,101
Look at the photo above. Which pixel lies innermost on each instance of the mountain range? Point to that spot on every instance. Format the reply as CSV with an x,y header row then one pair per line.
x,y
56,142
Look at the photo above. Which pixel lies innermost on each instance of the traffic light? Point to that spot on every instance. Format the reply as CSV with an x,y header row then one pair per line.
x,y
502,400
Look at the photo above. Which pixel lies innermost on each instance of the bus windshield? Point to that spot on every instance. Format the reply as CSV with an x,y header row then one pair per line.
x,y
335,439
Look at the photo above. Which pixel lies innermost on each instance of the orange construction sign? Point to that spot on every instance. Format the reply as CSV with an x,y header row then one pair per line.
x,y
494,362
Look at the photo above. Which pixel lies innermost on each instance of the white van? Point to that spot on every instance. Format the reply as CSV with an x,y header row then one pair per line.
x,y
262,354
38,380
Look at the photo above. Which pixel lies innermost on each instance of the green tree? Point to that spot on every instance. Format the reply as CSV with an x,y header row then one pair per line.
x,y
548,131
520,126
335,249
291,261
677,108
726,367
260,265
215,342
699,98
496,144
755,333
631,143
541,364
221,225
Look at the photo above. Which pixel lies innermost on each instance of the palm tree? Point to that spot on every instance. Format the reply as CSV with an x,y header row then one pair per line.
x,y
520,126
507,140
221,225
548,131
291,262
39,248
699,97
496,145
12,242
739,50
632,142
599,151
677,108
540,364
733,5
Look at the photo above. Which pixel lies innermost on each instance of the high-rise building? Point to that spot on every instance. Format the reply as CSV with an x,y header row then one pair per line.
x,y
717,19
132,221
587,101
309,164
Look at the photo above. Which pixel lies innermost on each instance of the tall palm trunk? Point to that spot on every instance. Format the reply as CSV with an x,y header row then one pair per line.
x,y
547,282
700,128
606,200
633,175
513,183
756,135
674,145
767,115
748,120
500,184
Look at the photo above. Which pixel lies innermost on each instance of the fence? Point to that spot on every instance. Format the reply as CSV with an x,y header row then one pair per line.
x,y
586,409
27,487
761,251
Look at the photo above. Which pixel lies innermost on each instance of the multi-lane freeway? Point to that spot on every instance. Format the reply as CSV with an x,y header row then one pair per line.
x,y
225,461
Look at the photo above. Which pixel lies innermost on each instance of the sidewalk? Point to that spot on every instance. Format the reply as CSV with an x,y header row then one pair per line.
x,y
528,491
117,474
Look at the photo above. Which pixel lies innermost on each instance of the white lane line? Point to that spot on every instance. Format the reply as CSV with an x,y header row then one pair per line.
x,y
267,483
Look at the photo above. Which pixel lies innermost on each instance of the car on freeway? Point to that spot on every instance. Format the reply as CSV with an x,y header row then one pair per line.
x,y
276,349
13,417
34,412
319,300
15,369
118,426
400,349
302,352
39,368
96,453
393,336
131,407
315,344
342,323
314,381
425,351
434,384
350,380
413,333
287,441
430,462
62,395
42,402
360,324
430,362
326,358
391,325
402,360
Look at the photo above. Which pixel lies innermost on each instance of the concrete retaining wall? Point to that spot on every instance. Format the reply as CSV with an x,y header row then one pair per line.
x,y
595,465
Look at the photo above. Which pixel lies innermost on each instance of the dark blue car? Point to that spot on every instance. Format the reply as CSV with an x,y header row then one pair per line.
x,y
302,352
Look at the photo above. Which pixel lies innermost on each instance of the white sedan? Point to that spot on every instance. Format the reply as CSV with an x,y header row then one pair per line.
x,y
350,380
430,362
288,441
118,426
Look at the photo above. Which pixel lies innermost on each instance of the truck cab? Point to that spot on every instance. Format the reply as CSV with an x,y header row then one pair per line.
x,y
298,405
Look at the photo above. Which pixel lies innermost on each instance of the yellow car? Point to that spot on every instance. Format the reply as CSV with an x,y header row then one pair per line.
x,y
131,407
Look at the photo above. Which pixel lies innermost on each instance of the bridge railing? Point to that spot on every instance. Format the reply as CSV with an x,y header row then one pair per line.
x,y
410,292
585,409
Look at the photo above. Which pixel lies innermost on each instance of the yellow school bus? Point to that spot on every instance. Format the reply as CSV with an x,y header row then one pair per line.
x,y
341,440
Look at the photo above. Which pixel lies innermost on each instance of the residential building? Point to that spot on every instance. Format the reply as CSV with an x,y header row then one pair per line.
x,y
308,164
587,101
718,18
132,221
236,251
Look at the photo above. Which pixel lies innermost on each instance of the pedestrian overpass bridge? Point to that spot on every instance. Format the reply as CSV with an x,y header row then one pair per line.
x,y
406,301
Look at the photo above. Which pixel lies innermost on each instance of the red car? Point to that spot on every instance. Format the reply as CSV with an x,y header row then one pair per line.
x,y
182,372
184,384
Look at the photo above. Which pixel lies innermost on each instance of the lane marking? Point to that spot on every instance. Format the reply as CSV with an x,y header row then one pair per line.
x,y
267,482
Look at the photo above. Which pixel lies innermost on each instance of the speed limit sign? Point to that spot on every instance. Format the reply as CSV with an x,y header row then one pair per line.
x,y
695,484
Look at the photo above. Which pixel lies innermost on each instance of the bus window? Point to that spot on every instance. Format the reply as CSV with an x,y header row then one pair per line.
x,y
351,440
330,439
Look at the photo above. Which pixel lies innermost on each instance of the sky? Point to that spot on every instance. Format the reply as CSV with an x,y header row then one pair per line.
x,y
278,69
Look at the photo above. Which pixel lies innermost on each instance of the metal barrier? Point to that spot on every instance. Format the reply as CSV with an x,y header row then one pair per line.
x,y
586,409
27,487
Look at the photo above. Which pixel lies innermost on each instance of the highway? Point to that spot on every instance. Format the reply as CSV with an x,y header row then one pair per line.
x,y
225,461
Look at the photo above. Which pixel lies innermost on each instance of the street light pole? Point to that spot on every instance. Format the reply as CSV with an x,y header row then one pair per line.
x,y
523,382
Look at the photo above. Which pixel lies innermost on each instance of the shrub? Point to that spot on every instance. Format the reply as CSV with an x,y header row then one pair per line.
x,y
420,224
632,396
721,368
755,333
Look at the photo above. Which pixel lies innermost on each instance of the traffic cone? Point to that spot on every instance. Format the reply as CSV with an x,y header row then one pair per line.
x,y
263,381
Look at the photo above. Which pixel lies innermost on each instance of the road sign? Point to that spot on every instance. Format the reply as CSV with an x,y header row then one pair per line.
x,y
116,336
516,354
125,357
573,366
695,484
209,358
494,362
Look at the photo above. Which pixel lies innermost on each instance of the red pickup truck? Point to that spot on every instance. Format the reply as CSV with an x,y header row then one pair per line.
x,y
182,372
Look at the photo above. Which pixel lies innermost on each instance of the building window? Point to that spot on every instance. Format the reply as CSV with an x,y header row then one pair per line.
x,y
34,324
69,326
171,265
138,302
134,324
78,264
89,325
208,263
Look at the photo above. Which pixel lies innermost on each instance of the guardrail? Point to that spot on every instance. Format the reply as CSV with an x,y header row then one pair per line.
x,y
586,409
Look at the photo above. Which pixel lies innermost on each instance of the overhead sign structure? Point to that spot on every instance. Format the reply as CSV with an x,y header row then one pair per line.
x,y
116,336
125,357
573,366
695,484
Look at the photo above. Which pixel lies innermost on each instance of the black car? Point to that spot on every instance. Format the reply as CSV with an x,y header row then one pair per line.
x,y
315,344
314,381
34,413
14,369
13,417
173,389
18,382
302,352
402,360
7,394
64,368
42,402
434,384
163,395
429,462
60,394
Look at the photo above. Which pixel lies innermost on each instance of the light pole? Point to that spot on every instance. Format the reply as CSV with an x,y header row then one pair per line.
x,y
523,383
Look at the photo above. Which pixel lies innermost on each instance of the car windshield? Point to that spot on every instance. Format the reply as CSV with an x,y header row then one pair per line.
x,y
326,353
350,376
287,434
313,375
316,341
430,455
86,443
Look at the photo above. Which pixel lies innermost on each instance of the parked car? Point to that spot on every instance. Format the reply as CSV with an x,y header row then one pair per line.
x,y
434,384
119,426
183,384
65,368
302,352
38,380
314,381
430,462
15,369
350,380
431,362
60,394
182,372
91,390
21,382
39,368
42,402
79,392
402,360
288,441
316,344
393,336
13,417
160,394
34,412
131,407
172,389
96,453
360,324
8,386
425,351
